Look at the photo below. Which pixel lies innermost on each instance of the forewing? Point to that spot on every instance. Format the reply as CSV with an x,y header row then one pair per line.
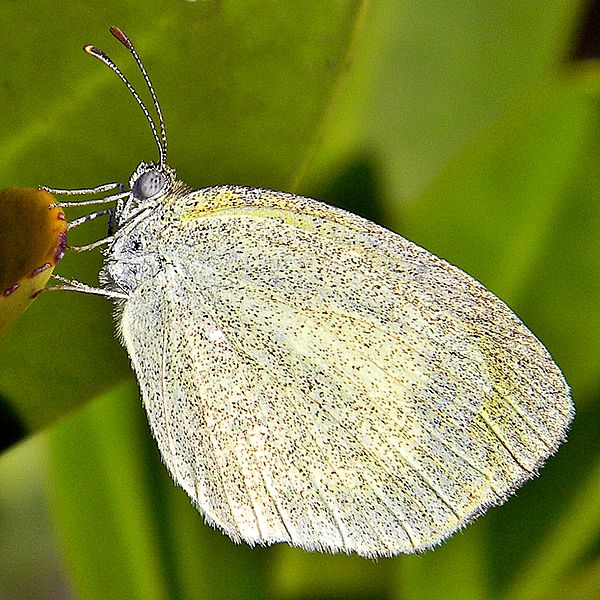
x,y
313,378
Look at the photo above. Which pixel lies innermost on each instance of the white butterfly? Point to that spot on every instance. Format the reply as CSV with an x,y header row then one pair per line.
x,y
313,378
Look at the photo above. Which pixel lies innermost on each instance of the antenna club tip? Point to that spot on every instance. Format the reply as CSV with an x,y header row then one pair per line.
x,y
93,51
97,53
122,37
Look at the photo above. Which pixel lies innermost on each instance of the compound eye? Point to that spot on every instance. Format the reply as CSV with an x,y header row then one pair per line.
x,y
150,184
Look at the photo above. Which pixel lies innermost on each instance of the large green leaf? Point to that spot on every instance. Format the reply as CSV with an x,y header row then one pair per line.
x,y
519,210
430,76
244,87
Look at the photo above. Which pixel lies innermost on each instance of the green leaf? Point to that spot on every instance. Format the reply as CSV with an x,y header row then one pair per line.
x,y
102,502
244,88
564,547
455,571
519,210
429,77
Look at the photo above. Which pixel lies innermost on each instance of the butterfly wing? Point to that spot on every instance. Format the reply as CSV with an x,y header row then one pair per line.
x,y
313,378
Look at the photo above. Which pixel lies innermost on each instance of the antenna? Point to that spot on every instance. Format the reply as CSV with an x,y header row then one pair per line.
x,y
161,141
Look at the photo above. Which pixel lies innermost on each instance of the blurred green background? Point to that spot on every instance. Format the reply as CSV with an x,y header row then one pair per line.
x,y
471,128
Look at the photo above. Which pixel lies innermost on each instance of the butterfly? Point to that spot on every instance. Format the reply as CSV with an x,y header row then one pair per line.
x,y
311,377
